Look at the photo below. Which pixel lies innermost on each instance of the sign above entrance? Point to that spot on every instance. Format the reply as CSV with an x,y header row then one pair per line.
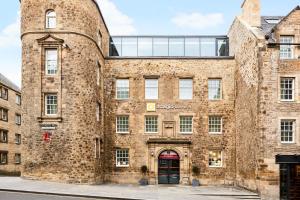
x,y
173,107
48,126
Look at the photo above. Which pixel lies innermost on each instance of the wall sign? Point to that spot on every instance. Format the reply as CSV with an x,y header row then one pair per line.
x,y
151,107
173,107
48,126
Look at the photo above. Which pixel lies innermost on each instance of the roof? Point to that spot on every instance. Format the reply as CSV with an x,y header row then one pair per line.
x,y
267,26
5,81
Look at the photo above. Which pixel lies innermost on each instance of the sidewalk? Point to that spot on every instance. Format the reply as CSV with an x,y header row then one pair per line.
x,y
152,192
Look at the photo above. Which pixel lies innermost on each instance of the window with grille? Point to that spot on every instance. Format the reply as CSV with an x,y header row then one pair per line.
x,y
215,124
287,88
122,89
3,93
214,89
151,124
186,124
215,158
17,158
186,89
122,157
51,61
123,124
287,129
151,89
51,19
18,138
18,119
286,49
51,104
3,136
3,114
3,157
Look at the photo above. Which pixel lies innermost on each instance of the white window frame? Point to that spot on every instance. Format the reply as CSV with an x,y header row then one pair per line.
x,y
294,130
285,48
2,111
152,116
122,132
2,133
18,119
18,99
18,139
123,88
149,87
46,104
47,68
221,128
184,88
187,133
293,89
209,89
117,157
222,159
51,15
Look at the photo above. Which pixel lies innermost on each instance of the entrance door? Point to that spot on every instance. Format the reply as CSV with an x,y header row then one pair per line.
x,y
168,168
289,181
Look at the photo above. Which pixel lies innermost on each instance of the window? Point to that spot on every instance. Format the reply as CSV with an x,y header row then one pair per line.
x,y
215,158
186,124
287,129
3,157
3,114
122,158
98,73
160,46
186,89
98,112
122,124
51,19
122,89
18,138
3,93
18,99
151,124
287,88
151,89
51,104
214,89
99,35
97,148
176,46
192,47
17,158
208,47
129,46
286,50
215,124
222,49
3,136
51,61
145,46
18,119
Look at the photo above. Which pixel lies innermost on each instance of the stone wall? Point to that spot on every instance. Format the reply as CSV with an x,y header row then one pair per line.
x,y
11,147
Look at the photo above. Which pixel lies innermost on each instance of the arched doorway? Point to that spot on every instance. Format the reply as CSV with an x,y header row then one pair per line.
x,y
168,168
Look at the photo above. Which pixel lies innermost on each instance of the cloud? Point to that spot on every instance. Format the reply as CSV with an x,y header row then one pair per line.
x,y
10,35
196,20
118,23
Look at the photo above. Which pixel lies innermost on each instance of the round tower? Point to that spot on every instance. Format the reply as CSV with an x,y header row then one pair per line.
x,y
63,48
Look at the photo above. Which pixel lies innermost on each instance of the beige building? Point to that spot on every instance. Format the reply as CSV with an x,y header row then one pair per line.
x,y
218,109
10,132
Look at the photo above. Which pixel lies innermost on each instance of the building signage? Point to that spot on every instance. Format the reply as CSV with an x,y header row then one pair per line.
x,y
173,107
48,126
151,107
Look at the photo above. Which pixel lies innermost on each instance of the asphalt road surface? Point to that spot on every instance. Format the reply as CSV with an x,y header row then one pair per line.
x,y
28,196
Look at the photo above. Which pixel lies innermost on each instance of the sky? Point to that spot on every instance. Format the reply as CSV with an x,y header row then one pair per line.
x,y
139,17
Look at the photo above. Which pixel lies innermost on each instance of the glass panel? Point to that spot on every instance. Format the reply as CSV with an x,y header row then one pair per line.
x,y
129,46
145,46
208,46
215,158
176,47
222,47
116,46
151,89
185,89
122,89
286,51
214,89
160,46
192,47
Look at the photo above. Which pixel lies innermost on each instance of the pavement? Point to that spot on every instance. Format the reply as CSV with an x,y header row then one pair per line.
x,y
17,185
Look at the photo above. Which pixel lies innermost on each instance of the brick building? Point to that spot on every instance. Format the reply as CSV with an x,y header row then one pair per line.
x,y
96,108
10,122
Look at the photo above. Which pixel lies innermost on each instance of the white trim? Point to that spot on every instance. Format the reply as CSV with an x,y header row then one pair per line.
x,y
294,130
120,166
122,132
216,133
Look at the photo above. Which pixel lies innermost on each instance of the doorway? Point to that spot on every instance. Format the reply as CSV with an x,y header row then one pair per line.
x,y
289,181
168,168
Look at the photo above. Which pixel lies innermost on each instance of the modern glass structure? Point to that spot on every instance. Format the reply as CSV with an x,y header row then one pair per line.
x,y
169,46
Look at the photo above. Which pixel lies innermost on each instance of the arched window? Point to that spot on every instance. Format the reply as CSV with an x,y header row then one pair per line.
x,y
51,19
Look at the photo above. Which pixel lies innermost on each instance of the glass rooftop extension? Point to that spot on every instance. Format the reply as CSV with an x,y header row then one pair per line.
x,y
169,46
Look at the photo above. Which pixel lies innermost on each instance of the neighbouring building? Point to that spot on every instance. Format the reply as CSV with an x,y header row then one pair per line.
x,y
10,131
97,108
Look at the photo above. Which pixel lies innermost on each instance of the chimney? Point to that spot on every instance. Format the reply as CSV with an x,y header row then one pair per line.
x,y
251,12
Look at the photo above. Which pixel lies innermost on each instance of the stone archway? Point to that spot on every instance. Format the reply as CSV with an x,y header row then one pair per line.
x,y
168,167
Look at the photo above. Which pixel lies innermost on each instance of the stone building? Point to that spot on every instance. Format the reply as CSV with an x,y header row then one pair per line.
x,y
10,132
97,108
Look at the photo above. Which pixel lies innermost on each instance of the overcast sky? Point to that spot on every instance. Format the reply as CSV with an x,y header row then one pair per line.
x,y
139,17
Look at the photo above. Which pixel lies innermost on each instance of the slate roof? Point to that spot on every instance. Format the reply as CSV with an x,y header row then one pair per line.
x,y
267,27
5,81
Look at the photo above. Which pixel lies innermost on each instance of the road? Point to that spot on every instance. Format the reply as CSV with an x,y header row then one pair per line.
x,y
29,196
